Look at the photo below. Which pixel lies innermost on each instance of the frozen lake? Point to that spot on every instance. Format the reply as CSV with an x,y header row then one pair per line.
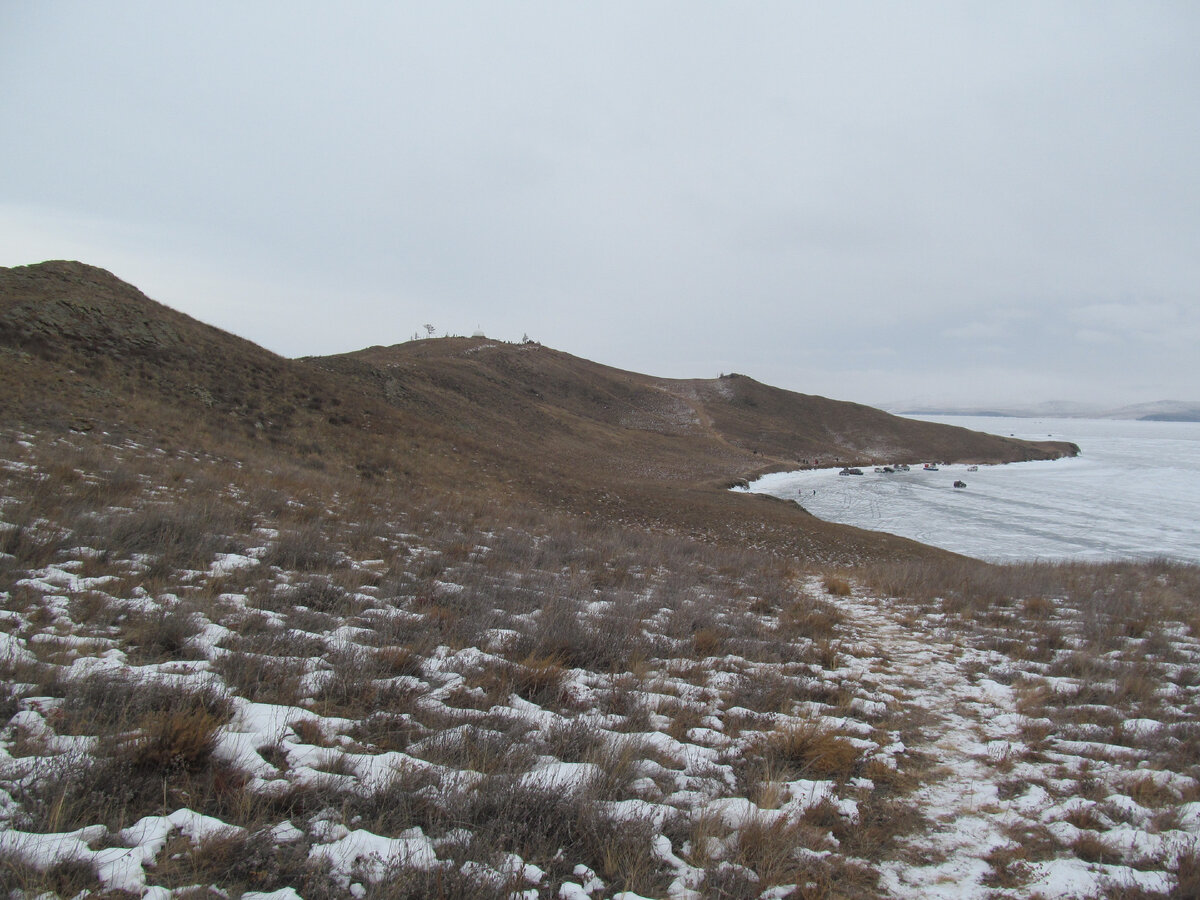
x,y
1134,492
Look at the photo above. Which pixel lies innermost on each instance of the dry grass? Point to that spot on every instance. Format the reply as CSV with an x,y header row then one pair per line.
x,y
538,679
177,535
1187,874
239,861
639,625
160,634
1009,867
549,827
113,705
63,879
477,749
882,822
707,641
176,740
808,618
263,678
836,586
802,751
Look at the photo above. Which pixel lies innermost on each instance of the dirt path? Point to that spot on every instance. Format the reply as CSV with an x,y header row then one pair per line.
x,y
969,728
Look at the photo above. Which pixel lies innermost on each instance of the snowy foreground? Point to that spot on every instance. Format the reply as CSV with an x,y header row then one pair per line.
x,y
431,705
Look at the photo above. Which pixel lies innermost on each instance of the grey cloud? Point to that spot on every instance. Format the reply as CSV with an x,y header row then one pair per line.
x,y
862,199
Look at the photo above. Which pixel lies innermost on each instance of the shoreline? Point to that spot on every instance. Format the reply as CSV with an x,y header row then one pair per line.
x,y
1021,514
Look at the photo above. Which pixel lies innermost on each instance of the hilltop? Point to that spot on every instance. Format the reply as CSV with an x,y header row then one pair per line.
x,y
521,422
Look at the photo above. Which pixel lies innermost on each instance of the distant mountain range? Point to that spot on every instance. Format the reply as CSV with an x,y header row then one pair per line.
x,y
1156,411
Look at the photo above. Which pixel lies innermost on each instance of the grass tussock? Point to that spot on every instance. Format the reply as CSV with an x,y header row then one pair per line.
x,y
68,878
809,751
176,740
837,585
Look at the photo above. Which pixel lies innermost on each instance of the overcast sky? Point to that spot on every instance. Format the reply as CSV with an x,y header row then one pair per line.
x,y
972,202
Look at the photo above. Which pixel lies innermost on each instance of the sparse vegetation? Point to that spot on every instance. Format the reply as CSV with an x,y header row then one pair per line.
x,y
289,640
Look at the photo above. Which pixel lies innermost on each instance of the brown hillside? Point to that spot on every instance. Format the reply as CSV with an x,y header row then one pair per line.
x,y
634,427
519,422
660,452
82,349
110,347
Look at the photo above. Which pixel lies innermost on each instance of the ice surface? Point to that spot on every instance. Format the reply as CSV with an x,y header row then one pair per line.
x,y
1134,492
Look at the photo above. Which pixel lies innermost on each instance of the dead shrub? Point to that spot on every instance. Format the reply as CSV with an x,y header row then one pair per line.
x,y
807,751
179,535
175,740
1090,847
66,878
836,585
162,633
808,618
262,679
538,679
305,548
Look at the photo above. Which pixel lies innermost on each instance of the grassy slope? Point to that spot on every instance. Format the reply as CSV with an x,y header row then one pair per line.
x,y
588,438
416,667
521,422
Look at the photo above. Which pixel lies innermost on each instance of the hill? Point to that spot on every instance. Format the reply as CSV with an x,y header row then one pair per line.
x,y
588,438
521,422
385,626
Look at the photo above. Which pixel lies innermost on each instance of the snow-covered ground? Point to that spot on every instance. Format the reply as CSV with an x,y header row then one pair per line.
x,y
1134,492
345,695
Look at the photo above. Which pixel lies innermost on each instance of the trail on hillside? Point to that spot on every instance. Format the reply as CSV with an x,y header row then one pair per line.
x,y
968,725
1020,807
